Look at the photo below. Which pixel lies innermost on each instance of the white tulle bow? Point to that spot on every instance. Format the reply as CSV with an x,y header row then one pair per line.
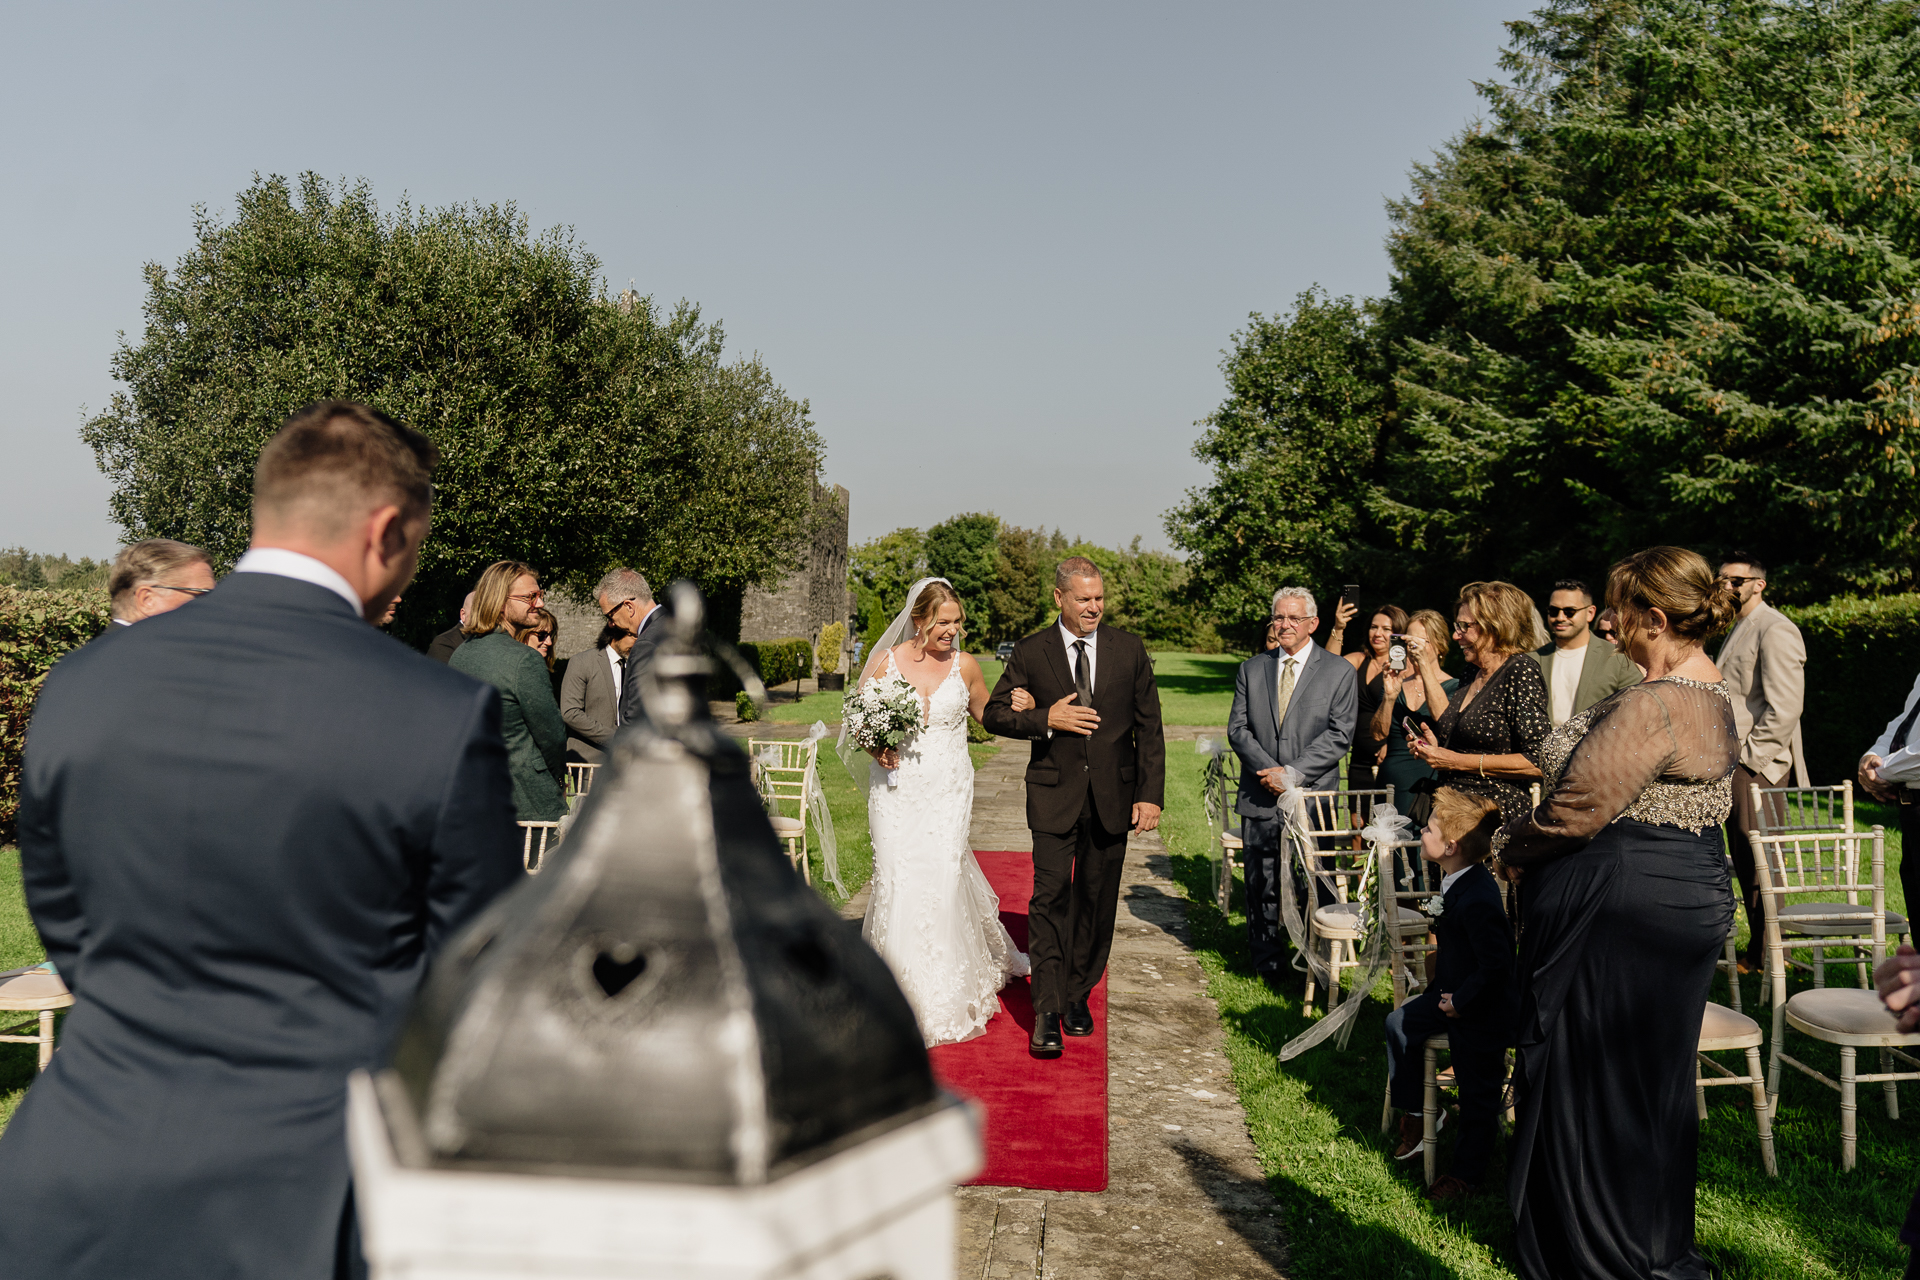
x,y
1387,825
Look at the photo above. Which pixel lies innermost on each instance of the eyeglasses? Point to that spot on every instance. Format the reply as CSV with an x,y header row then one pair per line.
x,y
1736,583
608,613
1289,620
1463,625
530,597
543,635
1565,611
192,591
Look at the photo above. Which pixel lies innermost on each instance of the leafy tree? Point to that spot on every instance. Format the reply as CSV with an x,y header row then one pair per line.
x,y
1019,598
577,433
964,550
1291,448
881,570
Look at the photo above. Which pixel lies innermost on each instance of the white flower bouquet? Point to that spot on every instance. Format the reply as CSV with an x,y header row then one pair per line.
x,y
884,713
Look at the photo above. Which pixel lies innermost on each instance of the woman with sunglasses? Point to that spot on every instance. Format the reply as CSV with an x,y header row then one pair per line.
x,y
1487,740
507,604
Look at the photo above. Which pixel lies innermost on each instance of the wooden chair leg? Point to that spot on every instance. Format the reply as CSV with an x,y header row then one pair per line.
x,y
1891,1087
1307,1006
1700,1100
1819,966
1733,974
46,1038
1848,1108
1386,1107
1430,1112
1762,1111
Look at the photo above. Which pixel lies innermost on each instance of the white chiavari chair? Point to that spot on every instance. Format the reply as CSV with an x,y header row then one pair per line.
x,y
786,778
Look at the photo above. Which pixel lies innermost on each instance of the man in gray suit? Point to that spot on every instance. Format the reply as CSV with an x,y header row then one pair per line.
x,y
1293,706
1578,672
590,694
1764,663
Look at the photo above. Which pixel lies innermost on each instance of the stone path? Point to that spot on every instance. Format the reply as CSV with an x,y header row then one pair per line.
x,y
1186,1198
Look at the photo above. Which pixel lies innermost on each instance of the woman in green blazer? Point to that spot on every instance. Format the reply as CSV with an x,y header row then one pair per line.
x,y
508,595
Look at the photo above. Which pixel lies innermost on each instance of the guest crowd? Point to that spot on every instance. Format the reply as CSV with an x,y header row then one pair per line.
x,y
246,828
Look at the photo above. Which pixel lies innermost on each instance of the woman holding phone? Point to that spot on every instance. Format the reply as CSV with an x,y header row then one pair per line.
x,y
1412,698
1372,665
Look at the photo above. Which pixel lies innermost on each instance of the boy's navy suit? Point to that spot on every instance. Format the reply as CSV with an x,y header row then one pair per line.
x,y
1476,969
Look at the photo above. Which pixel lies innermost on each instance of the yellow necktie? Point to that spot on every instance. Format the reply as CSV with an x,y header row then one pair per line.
x,y
1285,695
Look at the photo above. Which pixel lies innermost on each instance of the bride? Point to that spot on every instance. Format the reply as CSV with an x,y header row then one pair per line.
x,y
932,916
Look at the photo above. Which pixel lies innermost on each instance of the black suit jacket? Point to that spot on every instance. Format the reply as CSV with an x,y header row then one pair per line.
x,y
1476,958
446,642
639,662
245,827
1123,763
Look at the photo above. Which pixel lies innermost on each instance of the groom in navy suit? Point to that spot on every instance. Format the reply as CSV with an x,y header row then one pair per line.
x,y
1097,771
1293,706
245,828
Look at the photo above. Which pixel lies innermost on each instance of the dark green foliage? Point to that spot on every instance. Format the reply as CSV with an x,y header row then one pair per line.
x,y
880,571
20,567
1862,656
1290,449
577,433
37,629
743,706
1019,597
965,550
1663,292
779,662
1147,594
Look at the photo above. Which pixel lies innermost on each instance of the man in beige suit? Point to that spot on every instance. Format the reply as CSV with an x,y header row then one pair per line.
x,y
1764,663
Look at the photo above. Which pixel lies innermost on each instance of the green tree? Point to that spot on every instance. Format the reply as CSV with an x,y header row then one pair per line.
x,y
1291,449
1018,599
577,433
965,550
880,571
1666,293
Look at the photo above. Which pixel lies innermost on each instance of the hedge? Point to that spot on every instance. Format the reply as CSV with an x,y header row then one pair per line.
x,y
779,661
37,628
1862,656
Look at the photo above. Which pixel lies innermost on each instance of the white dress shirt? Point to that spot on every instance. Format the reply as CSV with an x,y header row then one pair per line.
x,y
1446,881
283,563
1883,745
617,664
1092,640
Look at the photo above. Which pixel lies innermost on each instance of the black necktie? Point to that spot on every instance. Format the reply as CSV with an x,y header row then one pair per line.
x,y
619,718
1082,684
1906,727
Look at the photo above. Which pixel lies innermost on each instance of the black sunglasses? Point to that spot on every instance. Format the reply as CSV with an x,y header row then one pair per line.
x,y
1565,611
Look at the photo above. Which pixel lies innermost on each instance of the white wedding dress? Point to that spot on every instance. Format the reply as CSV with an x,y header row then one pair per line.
x,y
932,916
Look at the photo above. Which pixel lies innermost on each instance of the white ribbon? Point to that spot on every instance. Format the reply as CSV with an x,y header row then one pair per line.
x,y
1386,827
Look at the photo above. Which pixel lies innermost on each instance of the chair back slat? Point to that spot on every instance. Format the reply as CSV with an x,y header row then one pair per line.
x,y
1782,810
1329,817
580,779
536,840
1829,869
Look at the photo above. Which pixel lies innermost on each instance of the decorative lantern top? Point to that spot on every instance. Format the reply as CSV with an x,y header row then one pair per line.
x,y
666,999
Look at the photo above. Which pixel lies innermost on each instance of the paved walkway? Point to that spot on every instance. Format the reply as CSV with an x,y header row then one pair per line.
x,y
1186,1198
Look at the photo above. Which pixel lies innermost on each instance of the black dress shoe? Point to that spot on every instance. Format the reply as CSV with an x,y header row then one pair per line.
x,y
1079,1019
1045,1041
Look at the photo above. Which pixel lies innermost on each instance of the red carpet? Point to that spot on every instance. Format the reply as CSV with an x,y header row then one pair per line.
x,y
1046,1121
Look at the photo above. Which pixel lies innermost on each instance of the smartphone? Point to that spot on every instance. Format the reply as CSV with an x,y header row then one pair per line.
x,y
1350,593
1397,657
1413,730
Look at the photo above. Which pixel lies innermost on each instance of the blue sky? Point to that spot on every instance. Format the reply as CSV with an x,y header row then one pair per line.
x,y
1000,248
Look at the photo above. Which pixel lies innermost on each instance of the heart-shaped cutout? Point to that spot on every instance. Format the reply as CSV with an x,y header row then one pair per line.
x,y
615,970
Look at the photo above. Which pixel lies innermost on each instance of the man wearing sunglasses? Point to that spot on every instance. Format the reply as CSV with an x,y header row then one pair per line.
x,y
1764,663
156,576
1579,673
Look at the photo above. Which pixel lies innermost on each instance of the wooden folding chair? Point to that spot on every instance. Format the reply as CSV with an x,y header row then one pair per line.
x,y
1339,923
1219,793
1850,1018
580,779
39,992
786,773
1779,811
1816,863
536,840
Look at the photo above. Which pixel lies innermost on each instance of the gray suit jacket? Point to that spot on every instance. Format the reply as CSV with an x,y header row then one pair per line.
x,y
1318,731
587,704
1604,671
1764,663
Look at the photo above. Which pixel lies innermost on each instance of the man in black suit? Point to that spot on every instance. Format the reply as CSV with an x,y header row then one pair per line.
x,y
1471,998
245,829
1098,770
626,601
447,641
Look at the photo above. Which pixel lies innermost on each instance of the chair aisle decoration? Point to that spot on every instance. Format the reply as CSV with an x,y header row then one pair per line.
x,y
1219,790
788,773
1850,1018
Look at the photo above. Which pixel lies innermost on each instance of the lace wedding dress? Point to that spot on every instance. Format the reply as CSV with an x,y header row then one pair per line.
x,y
933,917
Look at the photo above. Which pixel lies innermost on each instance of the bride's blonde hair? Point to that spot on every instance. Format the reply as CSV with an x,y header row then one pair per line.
x,y
931,597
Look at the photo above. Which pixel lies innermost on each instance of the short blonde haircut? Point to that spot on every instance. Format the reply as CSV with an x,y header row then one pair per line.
x,y
1503,612
1468,819
489,612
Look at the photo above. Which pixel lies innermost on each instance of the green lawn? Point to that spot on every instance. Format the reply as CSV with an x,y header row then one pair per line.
x,y
1353,1212
19,945
1195,688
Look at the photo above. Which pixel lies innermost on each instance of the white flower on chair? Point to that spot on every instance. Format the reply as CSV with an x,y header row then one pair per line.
x,y
1435,906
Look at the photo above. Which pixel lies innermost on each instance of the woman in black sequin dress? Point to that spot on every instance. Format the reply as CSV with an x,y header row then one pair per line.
x,y
1487,740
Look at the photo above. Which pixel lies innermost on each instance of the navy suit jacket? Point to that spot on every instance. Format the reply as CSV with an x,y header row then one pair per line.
x,y
1476,958
245,827
1319,727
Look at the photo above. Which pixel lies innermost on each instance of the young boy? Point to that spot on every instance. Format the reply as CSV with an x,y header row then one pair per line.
x,y
1472,999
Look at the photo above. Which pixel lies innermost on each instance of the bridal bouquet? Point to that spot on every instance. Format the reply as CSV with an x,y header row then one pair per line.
x,y
883,713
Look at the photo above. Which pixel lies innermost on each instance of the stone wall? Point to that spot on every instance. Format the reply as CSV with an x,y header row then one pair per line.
x,y
815,593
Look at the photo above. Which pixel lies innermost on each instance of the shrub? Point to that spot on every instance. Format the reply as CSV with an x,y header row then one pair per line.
x,y
833,638
1862,655
779,661
743,706
977,732
37,629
